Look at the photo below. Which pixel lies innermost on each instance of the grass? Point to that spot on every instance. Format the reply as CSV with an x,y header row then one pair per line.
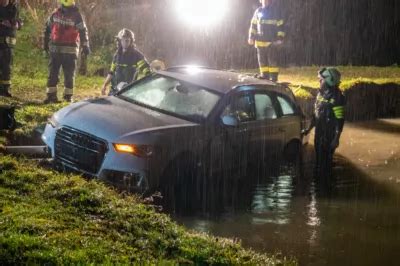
x,y
50,218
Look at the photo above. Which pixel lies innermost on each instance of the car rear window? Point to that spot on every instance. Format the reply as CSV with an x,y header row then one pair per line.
x,y
173,96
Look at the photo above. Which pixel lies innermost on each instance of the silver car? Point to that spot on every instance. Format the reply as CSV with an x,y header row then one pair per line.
x,y
175,127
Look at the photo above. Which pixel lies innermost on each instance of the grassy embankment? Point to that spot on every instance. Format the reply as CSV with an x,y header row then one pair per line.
x,y
50,218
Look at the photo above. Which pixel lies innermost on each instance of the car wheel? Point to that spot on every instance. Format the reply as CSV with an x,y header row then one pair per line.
x,y
180,185
293,158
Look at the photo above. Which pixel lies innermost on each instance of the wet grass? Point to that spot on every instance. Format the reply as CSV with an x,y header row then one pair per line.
x,y
51,218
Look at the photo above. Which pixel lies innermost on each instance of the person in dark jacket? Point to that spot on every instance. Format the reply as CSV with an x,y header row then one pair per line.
x,y
9,23
65,33
328,119
266,33
128,63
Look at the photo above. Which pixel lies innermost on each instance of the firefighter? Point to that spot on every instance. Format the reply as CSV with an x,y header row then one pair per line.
x,y
65,33
128,63
328,119
266,33
9,23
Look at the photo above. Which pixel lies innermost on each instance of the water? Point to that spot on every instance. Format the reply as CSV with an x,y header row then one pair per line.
x,y
353,221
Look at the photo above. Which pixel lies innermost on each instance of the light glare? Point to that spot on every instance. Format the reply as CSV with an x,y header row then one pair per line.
x,y
201,12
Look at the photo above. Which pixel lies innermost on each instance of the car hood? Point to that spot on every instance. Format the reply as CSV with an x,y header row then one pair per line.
x,y
111,117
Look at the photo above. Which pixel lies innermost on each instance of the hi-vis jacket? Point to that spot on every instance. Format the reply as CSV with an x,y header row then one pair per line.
x,y
65,31
266,27
128,66
329,113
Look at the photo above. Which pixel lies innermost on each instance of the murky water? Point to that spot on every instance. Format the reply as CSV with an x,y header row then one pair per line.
x,y
353,221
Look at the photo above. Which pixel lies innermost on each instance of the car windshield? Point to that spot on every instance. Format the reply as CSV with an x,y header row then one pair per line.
x,y
172,96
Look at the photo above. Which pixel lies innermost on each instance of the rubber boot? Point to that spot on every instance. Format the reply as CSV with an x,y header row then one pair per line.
x,y
68,98
274,77
4,91
51,98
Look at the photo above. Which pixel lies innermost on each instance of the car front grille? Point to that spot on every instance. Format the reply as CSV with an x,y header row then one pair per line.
x,y
79,151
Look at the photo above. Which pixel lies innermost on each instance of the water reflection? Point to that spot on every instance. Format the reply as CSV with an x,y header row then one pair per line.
x,y
353,220
273,199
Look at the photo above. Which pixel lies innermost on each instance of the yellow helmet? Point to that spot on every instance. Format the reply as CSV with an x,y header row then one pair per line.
x,y
67,3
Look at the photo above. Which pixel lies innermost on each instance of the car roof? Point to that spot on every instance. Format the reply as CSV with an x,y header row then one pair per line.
x,y
220,81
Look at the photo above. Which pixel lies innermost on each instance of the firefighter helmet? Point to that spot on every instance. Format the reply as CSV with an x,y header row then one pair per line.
x,y
331,76
125,33
67,3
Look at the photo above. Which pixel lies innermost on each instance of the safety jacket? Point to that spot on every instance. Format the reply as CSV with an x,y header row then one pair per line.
x,y
266,27
9,16
329,114
66,31
128,66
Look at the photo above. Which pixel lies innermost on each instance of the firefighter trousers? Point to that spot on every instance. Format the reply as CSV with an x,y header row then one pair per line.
x,y
6,58
68,64
268,62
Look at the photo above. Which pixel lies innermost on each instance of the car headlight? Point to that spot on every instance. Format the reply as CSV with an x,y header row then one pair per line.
x,y
138,150
53,121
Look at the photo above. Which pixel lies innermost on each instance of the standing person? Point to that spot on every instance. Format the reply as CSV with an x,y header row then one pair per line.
x,y
128,63
65,32
266,33
9,23
328,120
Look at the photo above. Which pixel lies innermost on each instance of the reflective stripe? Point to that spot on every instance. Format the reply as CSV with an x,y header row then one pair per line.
x,y
269,21
63,22
113,67
339,112
281,34
264,69
51,90
5,82
254,21
322,99
280,22
274,70
141,63
253,31
8,40
68,91
262,44
63,49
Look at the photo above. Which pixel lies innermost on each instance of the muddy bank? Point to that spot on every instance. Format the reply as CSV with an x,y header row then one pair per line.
x,y
365,101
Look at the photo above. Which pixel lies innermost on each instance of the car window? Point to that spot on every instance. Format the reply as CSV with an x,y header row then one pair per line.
x,y
241,107
173,96
286,106
264,107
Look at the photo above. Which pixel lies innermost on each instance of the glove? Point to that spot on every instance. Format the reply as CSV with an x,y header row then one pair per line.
x,y
85,50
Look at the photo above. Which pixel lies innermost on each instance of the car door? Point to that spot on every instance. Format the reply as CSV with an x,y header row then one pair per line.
x,y
268,131
230,147
291,120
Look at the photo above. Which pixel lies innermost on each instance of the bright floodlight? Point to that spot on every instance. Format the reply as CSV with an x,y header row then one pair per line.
x,y
201,12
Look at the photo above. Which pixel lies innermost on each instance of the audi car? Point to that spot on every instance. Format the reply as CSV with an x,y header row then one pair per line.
x,y
176,124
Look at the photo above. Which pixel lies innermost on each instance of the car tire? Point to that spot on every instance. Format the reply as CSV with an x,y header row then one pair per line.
x,y
293,158
179,185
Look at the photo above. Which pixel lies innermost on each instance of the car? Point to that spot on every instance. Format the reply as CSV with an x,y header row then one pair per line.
x,y
175,127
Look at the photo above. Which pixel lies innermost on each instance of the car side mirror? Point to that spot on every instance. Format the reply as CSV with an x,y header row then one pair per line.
x,y
121,85
230,121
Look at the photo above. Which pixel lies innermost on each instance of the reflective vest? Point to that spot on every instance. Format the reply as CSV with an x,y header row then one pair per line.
x,y
266,27
66,30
